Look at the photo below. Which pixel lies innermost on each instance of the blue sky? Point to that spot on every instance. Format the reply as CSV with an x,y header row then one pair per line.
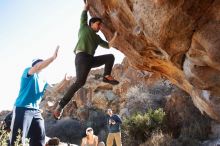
x,y
32,29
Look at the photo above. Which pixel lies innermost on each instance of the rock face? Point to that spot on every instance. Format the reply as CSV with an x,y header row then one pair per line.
x,y
88,106
178,39
99,95
137,92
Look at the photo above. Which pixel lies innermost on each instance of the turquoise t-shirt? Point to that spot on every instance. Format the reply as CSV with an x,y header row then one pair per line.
x,y
31,91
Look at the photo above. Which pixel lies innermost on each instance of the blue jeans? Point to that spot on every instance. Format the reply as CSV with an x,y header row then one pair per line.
x,y
31,124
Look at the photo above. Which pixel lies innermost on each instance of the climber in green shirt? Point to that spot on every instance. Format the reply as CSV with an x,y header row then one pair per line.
x,y
88,42
88,39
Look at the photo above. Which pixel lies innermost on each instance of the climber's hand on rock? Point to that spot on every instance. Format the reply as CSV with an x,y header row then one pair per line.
x,y
86,7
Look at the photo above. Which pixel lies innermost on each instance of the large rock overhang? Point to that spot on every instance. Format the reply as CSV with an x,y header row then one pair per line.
x,y
179,39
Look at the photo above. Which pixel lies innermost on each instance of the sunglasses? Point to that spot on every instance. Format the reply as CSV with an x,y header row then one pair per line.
x,y
89,130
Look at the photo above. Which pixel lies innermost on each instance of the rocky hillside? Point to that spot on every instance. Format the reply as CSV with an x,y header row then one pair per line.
x,y
172,51
137,92
179,39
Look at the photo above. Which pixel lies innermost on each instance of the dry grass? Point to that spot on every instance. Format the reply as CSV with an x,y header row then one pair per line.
x,y
159,139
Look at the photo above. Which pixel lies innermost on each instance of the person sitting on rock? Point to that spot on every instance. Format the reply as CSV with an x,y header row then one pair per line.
x,y
88,42
90,139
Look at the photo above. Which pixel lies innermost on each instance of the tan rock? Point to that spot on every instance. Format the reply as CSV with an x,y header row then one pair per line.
x,y
178,39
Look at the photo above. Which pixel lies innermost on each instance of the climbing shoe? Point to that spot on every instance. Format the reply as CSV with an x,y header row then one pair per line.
x,y
109,79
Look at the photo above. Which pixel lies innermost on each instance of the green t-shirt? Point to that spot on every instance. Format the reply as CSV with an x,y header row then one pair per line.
x,y
88,39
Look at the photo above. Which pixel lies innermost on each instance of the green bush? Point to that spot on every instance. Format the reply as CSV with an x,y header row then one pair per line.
x,y
141,125
4,137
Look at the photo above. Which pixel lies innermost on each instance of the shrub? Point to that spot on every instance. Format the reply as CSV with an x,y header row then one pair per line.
x,y
141,97
140,126
159,139
4,137
18,139
138,99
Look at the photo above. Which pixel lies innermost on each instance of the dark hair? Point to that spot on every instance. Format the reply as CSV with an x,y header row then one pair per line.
x,y
53,141
36,61
94,19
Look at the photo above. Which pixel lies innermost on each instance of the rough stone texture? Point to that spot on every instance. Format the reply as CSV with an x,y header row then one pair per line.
x,y
184,120
90,103
137,92
3,114
97,94
179,39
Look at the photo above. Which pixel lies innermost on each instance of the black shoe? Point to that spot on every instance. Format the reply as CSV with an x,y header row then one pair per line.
x,y
109,79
